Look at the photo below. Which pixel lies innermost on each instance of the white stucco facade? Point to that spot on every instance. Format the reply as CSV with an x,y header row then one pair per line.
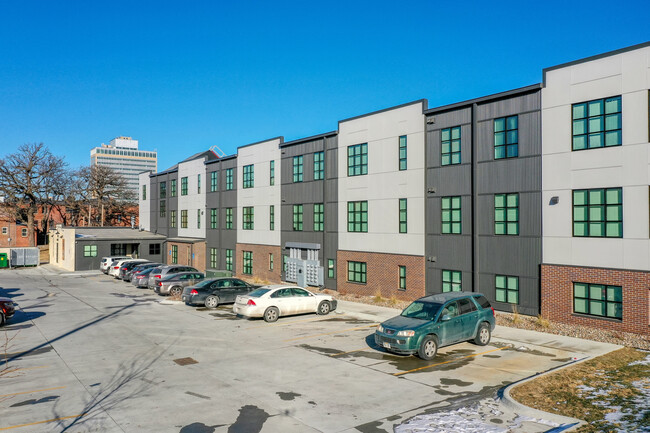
x,y
625,74
144,206
384,184
194,201
262,196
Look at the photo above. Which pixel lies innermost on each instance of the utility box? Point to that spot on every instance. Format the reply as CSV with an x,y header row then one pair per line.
x,y
303,266
25,257
4,262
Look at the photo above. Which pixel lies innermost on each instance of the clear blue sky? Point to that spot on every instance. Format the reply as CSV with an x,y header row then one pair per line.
x,y
183,76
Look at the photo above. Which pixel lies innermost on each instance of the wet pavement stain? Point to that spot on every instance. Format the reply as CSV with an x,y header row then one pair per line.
x,y
227,316
371,427
322,350
393,418
444,392
250,420
30,402
349,320
288,396
455,382
199,427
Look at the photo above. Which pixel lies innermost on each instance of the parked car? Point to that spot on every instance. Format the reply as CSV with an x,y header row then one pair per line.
x,y
216,291
137,267
127,266
114,269
6,310
438,320
141,278
162,271
106,262
274,301
173,284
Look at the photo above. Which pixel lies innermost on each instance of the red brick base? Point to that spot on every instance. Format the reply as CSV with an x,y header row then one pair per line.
x,y
261,262
557,296
382,275
189,253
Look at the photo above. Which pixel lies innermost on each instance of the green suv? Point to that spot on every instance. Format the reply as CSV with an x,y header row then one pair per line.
x,y
436,321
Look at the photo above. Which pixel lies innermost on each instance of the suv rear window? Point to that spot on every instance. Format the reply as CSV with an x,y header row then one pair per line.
x,y
482,301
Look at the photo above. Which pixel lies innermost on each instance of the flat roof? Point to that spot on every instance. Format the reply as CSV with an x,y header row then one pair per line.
x,y
113,233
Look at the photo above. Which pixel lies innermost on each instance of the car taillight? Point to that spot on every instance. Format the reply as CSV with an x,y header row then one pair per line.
x,y
139,277
124,268
251,302
115,267
159,283
493,313
156,276
194,292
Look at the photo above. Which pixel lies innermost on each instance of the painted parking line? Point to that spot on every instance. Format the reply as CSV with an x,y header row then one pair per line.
x,y
42,422
331,333
31,368
447,362
30,392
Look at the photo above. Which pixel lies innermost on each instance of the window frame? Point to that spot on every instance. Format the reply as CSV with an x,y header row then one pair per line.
x,y
358,159
272,173
248,218
163,209
402,152
604,300
507,144
248,176
319,165
229,179
184,218
298,168
604,208
451,282
403,215
401,273
229,257
450,142
449,211
247,262
163,189
272,217
229,218
214,218
506,290
357,272
507,221
183,185
90,251
587,119
214,181
172,187
319,217
172,219
297,217
358,216
214,258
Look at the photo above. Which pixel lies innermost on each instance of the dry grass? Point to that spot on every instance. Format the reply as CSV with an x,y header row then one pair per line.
x,y
560,392
542,322
516,317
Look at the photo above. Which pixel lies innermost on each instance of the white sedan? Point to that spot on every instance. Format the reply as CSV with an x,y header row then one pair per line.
x,y
272,302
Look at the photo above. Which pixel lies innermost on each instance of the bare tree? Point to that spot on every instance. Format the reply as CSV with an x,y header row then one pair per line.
x,y
26,181
106,191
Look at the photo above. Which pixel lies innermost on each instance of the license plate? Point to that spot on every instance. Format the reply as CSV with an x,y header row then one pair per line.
x,y
387,345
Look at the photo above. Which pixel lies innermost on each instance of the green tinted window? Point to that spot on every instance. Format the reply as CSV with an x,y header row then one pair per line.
x,y
506,214
598,212
598,300
597,123
451,215
450,146
506,137
358,159
358,216
452,281
507,289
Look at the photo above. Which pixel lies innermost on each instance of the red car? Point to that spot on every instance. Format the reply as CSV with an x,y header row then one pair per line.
x,y
6,310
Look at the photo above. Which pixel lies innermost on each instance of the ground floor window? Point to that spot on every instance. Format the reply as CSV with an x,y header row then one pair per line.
x,y
90,250
154,249
24,232
270,262
213,258
330,268
452,281
174,254
118,249
229,260
357,272
598,300
248,263
402,277
507,289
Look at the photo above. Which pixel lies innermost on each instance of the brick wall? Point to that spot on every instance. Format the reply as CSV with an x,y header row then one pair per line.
x,y
185,252
382,274
261,262
557,296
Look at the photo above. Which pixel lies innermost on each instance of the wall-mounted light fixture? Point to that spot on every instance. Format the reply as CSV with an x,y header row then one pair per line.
x,y
554,200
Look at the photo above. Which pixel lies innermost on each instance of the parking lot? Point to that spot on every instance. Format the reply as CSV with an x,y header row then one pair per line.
x,y
90,353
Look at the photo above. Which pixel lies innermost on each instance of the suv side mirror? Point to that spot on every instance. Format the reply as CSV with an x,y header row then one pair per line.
x,y
445,318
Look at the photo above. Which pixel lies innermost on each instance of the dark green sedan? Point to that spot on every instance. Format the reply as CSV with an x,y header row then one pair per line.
x,y
436,321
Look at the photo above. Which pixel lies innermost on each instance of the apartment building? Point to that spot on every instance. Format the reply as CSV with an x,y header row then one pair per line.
x,y
537,197
595,181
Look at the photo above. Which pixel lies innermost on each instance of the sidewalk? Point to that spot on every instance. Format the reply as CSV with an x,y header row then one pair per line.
x,y
512,415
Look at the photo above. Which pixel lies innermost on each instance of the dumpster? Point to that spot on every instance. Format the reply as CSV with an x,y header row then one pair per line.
x,y
4,263
25,257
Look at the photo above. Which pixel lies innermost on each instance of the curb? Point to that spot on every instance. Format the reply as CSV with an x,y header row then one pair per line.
x,y
566,423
